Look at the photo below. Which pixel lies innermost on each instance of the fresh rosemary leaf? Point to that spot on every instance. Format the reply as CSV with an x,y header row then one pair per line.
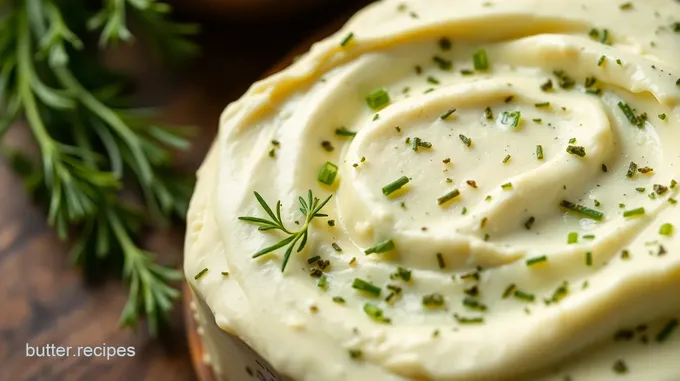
x,y
309,207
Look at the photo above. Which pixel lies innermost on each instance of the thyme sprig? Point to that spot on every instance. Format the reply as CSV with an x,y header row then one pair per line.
x,y
93,146
310,208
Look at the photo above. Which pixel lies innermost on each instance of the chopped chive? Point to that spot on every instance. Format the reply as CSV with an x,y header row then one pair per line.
x,y
448,197
536,260
662,116
579,151
395,185
525,296
362,285
468,320
529,222
667,330
323,282
637,212
588,236
480,60
375,312
572,140
542,104
626,6
402,273
443,63
506,159
328,173
336,247
225,273
572,238
347,39
645,170
582,210
447,114
590,82
589,258
376,117
467,141
509,291
200,274
666,229
440,261
539,152
331,223
378,99
432,80
511,118
547,86
313,259
470,276
537,120
474,304
342,131
600,62
594,91
417,143
433,300
506,186
380,247
628,112
355,353
472,183
632,168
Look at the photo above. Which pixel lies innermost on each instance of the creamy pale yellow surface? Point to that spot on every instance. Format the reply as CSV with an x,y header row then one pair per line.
x,y
523,288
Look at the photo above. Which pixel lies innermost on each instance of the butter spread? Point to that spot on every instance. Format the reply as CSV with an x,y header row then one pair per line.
x,y
509,166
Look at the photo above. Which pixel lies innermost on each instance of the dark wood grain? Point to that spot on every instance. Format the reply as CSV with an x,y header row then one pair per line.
x,y
43,299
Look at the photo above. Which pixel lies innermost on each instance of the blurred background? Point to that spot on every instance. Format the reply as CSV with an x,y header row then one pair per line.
x,y
43,299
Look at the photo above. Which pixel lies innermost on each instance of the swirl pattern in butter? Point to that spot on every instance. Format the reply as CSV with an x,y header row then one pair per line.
x,y
504,192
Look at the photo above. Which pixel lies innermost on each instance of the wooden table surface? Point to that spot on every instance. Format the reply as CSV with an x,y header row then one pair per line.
x,y
43,299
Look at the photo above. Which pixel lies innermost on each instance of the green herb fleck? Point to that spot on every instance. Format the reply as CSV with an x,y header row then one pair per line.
x,y
378,99
511,118
666,229
342,131
480,60
467,141
637,212
448,197
433,300
200,274
376,313
328,173
365,286
582,210
536,260
447,114
380,247
347,39
395,185
579,151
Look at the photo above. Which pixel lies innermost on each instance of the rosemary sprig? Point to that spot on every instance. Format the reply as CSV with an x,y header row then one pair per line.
x,y
310,208
91,143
